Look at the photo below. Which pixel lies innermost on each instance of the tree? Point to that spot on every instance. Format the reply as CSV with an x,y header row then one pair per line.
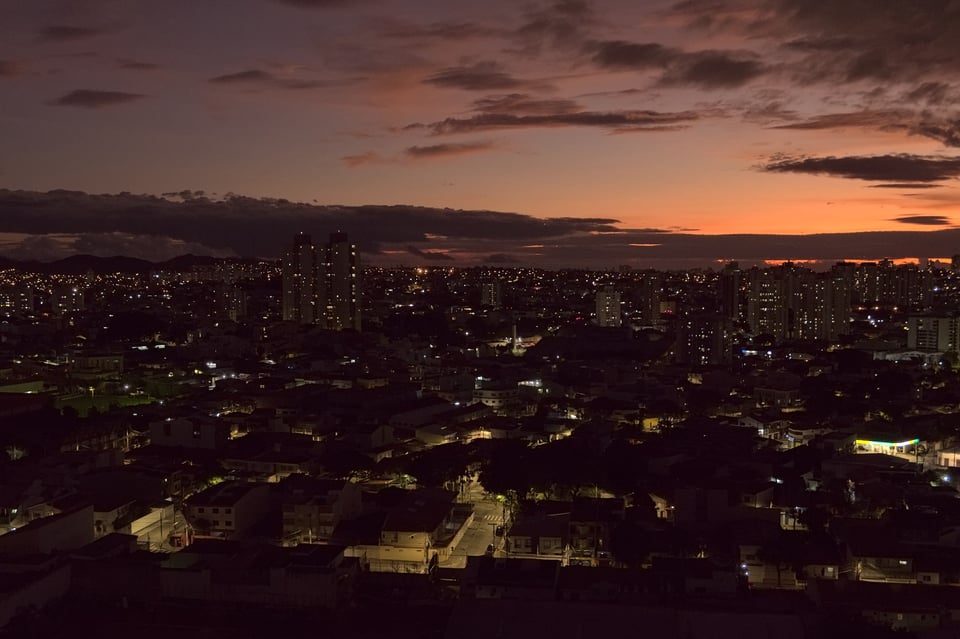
x,y
439,466
506,469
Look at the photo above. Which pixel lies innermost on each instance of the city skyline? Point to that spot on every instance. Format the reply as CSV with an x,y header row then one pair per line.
x,y
564,133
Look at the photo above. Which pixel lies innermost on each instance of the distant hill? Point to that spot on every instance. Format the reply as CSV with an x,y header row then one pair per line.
x,y
80,264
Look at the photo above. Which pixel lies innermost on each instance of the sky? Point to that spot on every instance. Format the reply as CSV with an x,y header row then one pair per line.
x,y
544,133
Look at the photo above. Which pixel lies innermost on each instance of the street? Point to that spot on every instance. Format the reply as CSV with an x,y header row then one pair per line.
x,y
487,515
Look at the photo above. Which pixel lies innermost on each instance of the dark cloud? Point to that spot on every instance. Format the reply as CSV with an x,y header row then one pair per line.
x,y
712,70
946,132
618,54
95,99
871,65
924,220
841,41
904,187
9,68
252,227
927,124
60,222
612,120
361,159
837,43
898,168
898,119
561,24
482,76
447,150
136,65
523,104
265,79
314,4
500,258
67,33
428,255
766,113
932,93
456,31
704,69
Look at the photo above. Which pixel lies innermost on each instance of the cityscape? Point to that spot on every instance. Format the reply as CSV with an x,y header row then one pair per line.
x,y
561,319
234,442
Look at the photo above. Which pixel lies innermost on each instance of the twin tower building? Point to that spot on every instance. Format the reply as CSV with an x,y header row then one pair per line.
x,y
321,284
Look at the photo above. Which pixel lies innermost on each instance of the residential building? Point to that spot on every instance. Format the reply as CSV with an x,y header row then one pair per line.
x,y
340,285
608,307
313,508
227,510
300,281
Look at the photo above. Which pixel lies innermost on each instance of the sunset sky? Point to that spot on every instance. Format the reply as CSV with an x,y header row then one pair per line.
x,y
565,133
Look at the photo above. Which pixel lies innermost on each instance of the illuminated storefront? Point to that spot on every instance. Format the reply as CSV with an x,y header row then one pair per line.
x,y
906,447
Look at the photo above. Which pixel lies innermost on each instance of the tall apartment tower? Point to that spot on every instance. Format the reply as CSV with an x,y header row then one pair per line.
x,y
340,288
648,298
608,307
767,304
301,285
730,292
491,294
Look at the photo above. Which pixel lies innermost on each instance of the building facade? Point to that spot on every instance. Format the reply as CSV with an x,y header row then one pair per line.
x,y
321,285
608,307
300,281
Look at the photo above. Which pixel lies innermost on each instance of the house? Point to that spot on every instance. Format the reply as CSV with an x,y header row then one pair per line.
x,y
313,508
270,457
591,523
539,534
424,523
227,510
223,572
196,432
873,551
65,530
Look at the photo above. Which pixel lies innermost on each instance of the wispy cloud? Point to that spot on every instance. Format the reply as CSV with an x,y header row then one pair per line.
x,y
429,255
482,76
95,99
266,79
315,4
454,31
67,33
9,68
924,220
611,120
899,168
446,150
136,65
362,159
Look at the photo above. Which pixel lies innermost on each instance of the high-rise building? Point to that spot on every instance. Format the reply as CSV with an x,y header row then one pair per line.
x,y
705,338
730,292
647,298
231,302
17,299
933,333
608,307
300,281
65,300
340,287
322,286
490,294
767,304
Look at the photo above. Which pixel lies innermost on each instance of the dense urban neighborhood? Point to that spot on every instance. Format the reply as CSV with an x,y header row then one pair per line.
x,y
215,447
